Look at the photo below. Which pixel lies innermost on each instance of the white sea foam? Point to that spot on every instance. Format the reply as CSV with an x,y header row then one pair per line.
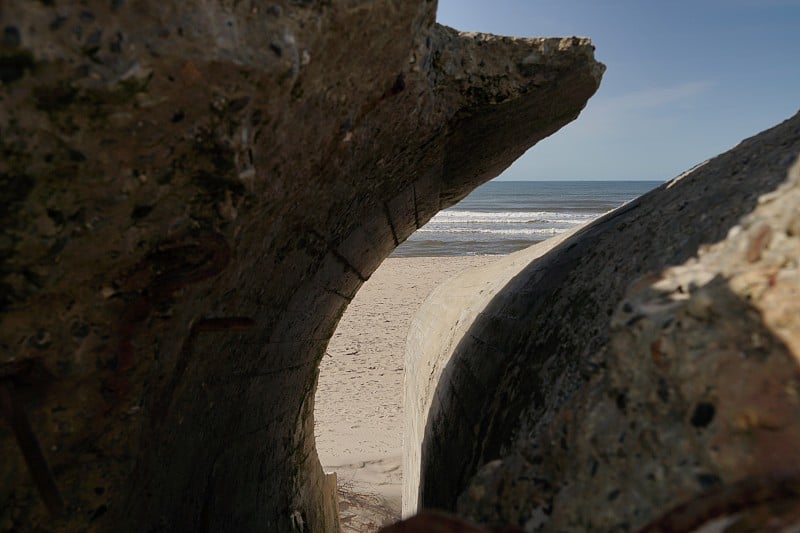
x,y
451,217
501,217
516,232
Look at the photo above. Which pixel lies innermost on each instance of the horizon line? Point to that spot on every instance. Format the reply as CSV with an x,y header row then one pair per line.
x,y
552,180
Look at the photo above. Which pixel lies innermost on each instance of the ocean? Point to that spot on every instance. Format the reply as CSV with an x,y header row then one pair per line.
x,y
501,217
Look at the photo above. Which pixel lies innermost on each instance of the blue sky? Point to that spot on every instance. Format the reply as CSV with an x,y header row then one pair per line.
x,y
685,79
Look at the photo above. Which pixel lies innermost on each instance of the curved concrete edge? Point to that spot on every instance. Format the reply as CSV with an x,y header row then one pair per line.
x,y
693,418
442,320
490,380
193,193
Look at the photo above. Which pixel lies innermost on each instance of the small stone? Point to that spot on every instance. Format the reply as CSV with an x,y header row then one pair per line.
x,y
41,340
760,241
699,306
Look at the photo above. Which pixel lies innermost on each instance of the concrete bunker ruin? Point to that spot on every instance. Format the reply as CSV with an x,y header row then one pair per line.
x,y
192,193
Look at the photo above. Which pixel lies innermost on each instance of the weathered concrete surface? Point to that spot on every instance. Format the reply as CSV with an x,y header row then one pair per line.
x,y
530,400
698,408
440,323
192,192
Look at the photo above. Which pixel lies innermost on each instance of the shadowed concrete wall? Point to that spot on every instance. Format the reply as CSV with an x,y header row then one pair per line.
x,y
497,356
192,193
435,331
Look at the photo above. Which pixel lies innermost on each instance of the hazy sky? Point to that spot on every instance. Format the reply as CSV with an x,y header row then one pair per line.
x,y
685,79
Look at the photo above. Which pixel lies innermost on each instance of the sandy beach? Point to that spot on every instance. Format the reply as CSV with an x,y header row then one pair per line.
x,y
359,412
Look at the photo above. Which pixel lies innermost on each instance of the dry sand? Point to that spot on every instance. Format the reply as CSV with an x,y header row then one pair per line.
x,y
359,411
